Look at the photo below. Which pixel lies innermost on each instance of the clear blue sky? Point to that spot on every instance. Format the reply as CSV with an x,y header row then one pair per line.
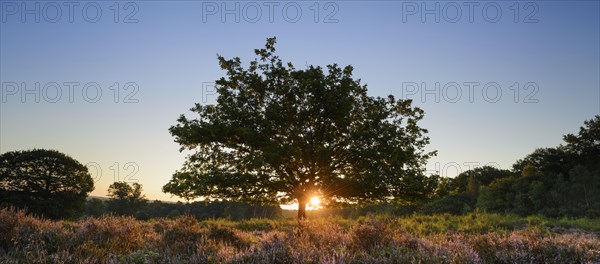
x,y
168,51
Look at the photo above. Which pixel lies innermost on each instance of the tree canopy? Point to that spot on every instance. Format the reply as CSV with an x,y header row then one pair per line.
x,y
125,199
46,182
278,134
478,176
559,181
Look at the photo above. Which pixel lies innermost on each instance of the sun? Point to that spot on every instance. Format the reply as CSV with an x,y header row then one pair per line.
x,y
314,201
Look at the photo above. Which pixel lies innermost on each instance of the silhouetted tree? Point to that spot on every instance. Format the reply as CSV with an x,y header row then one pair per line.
x,y
553,181
586,144
278,134
125,199
543,161
477,176
46,182
458,195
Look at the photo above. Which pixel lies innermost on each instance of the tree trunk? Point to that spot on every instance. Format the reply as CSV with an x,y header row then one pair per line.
x,y
301,209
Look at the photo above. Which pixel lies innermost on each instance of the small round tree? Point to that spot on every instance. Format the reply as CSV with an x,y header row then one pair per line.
x,y
125,199
46,182
279,134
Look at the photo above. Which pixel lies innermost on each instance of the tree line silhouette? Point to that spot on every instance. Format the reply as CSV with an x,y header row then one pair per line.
x,y
279,135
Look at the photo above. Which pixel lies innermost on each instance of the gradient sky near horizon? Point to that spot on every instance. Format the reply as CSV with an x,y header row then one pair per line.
x,y
497,79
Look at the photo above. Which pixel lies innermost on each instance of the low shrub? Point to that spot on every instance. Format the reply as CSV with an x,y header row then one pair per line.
x,y
472,238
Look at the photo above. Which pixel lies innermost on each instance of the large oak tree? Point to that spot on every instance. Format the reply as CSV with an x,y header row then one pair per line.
x,y
278,134
46,182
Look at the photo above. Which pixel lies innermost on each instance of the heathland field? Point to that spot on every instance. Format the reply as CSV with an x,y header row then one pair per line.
x,y
471,238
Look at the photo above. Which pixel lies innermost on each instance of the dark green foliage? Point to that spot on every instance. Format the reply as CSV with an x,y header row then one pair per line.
x,y
229,210
198,210
585,189
478,176
497,196
125,199
46,182
458,195
453,204
561,181
95,207
585,146
279,134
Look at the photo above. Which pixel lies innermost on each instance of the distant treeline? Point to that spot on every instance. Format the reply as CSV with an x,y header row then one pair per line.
x,y
555,182
200,210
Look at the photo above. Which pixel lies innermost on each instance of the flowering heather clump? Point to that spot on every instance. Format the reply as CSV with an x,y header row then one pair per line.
x,y
35,239
182,235
115,235
371,234
474,238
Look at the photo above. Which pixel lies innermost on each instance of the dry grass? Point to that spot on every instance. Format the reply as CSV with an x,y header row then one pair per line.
x,y
475,238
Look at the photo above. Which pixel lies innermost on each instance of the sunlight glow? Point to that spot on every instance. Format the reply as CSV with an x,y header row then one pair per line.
x,y
314,201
